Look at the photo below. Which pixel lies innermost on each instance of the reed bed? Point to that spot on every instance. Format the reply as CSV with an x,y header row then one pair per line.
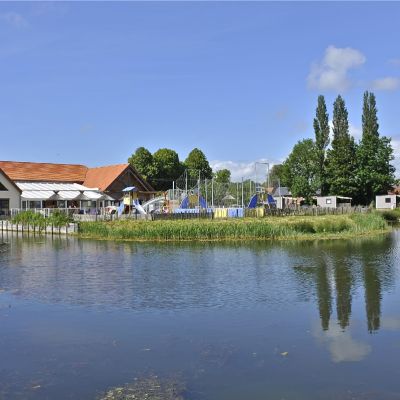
x,y
36,220
241,229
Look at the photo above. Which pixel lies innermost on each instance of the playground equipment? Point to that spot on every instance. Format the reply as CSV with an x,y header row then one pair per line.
x,y
151,205
265,199
192,201
139,207
131,203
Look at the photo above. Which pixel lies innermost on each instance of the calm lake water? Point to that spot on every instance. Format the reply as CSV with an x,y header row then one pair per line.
x,y
260,321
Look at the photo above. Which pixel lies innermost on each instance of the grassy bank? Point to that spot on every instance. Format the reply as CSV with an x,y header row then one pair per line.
x,y
323,227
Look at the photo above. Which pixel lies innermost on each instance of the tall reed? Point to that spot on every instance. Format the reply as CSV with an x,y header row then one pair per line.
x,y
249,228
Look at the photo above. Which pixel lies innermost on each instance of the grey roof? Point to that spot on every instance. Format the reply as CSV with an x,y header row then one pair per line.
x,y
283,191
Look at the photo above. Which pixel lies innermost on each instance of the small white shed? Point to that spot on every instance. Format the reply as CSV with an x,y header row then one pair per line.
x,y
387,201
333,201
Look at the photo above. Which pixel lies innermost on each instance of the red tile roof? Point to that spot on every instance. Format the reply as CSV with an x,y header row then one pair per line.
x,y
100,177
44,172
103,177
10,180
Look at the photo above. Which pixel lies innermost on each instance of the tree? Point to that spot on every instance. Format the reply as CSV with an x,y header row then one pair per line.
x,y
277,175
197,162
341,158
374,154
142,161
222,176
167,168
321,129
301,170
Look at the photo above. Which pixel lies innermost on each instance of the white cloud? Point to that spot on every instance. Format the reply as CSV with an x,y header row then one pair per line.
x,y
14,19
388,83
341,345
331,73
241,170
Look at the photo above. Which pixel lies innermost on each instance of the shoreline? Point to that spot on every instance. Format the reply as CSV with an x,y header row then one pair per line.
x,y
249,229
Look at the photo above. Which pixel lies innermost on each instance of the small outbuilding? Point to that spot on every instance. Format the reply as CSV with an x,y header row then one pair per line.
x,y
387,201
333,201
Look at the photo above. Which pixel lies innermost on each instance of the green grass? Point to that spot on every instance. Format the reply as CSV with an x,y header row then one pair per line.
x,y
295,227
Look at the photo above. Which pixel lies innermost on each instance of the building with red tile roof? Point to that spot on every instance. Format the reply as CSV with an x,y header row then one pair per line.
x,y
109,179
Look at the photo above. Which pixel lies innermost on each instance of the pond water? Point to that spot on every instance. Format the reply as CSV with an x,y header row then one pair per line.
x,y
294,321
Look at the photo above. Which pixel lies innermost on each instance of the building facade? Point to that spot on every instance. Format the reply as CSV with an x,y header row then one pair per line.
x,y
29,185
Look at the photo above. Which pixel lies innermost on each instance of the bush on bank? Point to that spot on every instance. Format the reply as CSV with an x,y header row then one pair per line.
x,y
33,219
249,228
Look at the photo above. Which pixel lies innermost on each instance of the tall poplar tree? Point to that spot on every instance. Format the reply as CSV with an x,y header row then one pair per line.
x,y
341,158
321,129
374,154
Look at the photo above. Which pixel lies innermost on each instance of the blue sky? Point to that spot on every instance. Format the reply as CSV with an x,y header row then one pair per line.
x,y
90,82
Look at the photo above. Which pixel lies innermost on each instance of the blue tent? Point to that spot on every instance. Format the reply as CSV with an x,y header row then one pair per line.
x,y
253,201
185,202
271,201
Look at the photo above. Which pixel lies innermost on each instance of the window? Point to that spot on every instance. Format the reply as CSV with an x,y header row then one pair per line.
x,y
328,201
4,206
35,204
3,188
388,200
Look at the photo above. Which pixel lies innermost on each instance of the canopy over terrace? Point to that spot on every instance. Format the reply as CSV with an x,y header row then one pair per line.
x,y
40,195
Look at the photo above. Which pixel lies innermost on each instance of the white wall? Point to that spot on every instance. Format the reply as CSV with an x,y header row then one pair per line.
x,y
326,201
12,193
380,201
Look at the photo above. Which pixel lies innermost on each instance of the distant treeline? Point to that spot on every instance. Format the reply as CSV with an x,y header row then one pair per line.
x,y
334,165
358,170
163,167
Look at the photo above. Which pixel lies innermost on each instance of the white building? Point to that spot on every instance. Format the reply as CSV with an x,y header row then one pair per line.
x,y
333,201
387,201
28,185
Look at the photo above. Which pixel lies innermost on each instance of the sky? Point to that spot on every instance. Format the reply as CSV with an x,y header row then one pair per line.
x,y
89,82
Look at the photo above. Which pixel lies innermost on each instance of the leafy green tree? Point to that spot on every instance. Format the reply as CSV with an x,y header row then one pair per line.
x,y
321,129
222,176
374,154
142,161
196,161
301,170
167,168
277,175
341,158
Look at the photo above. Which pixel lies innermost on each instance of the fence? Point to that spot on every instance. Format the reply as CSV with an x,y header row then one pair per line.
x,y
6,226
314,211
194,214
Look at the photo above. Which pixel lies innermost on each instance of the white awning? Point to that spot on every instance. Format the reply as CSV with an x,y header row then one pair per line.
x,y
36,194
63,191
35,186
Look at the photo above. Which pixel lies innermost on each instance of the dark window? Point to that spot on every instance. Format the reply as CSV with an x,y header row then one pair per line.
x,y
388,200
4,206
3,188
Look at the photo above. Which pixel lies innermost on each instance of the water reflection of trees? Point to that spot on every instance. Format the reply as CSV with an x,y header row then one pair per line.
x,y
138,276
339,269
